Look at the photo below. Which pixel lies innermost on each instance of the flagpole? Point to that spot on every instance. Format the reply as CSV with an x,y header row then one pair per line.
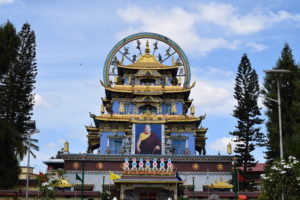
x,y
207,176
82,180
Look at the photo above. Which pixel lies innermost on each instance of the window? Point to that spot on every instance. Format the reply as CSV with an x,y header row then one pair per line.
x,y
147,81
179,146
115,146
147,109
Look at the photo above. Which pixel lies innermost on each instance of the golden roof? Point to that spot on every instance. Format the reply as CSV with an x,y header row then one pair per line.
x,y
147,61
63,183
221,184
147,88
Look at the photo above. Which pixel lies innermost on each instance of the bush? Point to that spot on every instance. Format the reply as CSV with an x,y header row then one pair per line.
x,y
281,177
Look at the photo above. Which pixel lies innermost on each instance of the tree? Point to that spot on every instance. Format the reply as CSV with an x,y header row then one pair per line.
x,y
9,170
9,43
17,99
9,164
17,78
247,112
290,107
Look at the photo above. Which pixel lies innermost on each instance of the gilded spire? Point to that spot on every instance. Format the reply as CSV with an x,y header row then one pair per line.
x,y
192,110
66,147
229,149
102,109
147,50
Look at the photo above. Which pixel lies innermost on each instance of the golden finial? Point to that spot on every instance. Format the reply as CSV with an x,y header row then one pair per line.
x,y
173,62
102,109
147,50
229,149
179,81
192,109
66,147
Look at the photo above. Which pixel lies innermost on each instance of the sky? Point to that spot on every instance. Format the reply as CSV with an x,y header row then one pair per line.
x,y
74,37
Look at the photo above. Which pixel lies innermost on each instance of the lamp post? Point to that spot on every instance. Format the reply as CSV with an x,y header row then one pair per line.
x,y
82,177
278,72
235,178
278,101
32,129
193,187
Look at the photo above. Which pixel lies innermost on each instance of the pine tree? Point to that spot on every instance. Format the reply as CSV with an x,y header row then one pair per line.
x,y
9,43
247,112
16,103
18,99
9,165
290,107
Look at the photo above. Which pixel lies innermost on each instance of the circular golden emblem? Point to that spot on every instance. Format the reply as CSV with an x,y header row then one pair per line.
x,y
99,165
122,165
76,165
195,166
220,167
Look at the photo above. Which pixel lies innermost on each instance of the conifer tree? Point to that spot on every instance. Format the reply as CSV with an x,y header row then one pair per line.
x,y
9,169
290,107
16,103
18,100
247,112
9,43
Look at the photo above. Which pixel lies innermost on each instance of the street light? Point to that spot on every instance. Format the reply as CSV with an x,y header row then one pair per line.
x,y
193,187
30,125
278,72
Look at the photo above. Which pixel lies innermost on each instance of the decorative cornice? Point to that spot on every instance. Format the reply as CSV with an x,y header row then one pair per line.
x,y
145,117
175,158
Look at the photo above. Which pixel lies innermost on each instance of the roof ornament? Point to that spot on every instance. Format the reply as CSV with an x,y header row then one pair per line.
x,y
155,47
138,46
147,50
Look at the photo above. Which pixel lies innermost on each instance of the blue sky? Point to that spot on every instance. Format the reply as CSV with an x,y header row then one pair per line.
x,y
74,38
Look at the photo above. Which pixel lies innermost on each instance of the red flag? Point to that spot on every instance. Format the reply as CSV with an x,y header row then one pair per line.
x,y
241,178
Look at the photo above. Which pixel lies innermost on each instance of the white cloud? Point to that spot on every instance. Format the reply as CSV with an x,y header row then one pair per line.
x,y
6,1
223,20
227,16
213,93
220,145
256,47
175,23
40,102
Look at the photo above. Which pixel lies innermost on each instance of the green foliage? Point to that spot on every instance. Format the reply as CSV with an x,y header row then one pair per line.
x,y
290,107
48,183
183,198
9,165
9,43
247,112
17,78
105,196
282,177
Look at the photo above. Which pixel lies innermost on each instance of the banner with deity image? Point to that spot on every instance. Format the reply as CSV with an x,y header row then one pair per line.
x,y
148,138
